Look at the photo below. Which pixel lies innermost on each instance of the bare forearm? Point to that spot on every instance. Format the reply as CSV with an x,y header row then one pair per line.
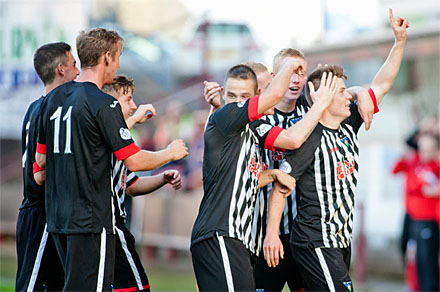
x,y
146,185
40,159
276,207
131,121
266,177
385,77
147,160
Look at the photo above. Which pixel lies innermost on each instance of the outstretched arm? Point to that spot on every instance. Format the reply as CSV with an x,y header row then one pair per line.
x,y
149,184
384,79
143,113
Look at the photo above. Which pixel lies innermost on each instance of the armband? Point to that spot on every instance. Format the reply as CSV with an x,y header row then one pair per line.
x,y
36,168
373,98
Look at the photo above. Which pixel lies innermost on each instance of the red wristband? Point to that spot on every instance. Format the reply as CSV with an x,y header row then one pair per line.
x,y
373,98
36,168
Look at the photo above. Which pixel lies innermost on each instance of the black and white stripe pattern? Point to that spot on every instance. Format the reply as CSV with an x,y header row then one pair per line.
x,y
336,170
121,179
273,160
241,208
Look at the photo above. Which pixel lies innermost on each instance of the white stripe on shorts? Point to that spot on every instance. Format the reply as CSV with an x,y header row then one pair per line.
x,y
226,264
327,275
37,263
129,258
101,261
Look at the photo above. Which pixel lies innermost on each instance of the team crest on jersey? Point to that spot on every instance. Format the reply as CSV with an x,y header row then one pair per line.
x,y
125,133
113,105
294,120
345,141
285,166
263,129
240,104
349,286
277,155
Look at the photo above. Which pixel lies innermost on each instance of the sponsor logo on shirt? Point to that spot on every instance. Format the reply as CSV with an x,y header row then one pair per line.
x,y
255,167
285,166
263,129
113,105
125,133
277,155
344,168
124,179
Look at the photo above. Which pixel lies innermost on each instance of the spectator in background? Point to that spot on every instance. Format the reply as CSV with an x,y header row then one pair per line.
x,y
422,172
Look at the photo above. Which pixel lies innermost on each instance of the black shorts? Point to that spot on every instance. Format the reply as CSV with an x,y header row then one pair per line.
x,y
88,260
129,272
222,264
38,265
324,269
274,279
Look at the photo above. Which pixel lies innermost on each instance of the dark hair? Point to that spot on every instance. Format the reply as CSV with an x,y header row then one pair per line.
x,y
316,75
92,44
244,72
47,58
120,82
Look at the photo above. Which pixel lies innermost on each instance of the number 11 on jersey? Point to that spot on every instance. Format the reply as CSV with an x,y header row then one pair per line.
x,y
56,136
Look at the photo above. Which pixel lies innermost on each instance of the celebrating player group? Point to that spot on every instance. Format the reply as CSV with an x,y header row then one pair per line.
x,y
280,169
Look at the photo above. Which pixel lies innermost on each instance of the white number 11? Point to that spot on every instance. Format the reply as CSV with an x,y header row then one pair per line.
x,y
67,117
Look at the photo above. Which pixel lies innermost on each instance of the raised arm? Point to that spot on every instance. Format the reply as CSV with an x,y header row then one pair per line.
x,y
384,78
147,160
279,85
143,113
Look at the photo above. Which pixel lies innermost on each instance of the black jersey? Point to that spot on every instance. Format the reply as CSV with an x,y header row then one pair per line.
x,y
80,128
273,158
231,168
122,178
33,194
326,170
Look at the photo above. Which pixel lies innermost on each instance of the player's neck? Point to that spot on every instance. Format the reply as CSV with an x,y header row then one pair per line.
x,y
286,106
92,74
49,87
330,121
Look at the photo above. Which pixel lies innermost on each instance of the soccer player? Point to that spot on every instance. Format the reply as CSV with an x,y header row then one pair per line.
x,y
221,237
38,265
325,168
129,272
80,128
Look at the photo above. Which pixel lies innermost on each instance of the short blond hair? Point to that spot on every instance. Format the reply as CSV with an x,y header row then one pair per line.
x,y
257,67
286,52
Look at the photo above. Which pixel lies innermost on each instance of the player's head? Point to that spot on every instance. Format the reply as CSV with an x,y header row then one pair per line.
x,y
340,106
100,46
54,62
298,79
122,88
240,84
263,76
428,146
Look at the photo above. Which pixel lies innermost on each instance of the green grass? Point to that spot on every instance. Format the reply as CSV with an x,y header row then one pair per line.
x,y
8,268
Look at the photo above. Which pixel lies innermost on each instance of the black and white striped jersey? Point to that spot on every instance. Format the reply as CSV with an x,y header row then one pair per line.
x,y
273,158
231,167
326,170
122,178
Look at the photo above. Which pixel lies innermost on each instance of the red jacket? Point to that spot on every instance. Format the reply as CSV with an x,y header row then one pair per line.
x,y
417,175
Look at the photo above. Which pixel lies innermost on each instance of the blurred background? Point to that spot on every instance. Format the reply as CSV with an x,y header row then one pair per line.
x,y
170,47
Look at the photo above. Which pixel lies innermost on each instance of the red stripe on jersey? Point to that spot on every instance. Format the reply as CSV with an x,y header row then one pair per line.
x,y
127,151
41,148
36,168
131,289
253,109
271,137
373,98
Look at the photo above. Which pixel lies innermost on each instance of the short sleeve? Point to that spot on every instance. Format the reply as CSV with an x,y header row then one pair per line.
x,y
233,117
297,161
266,133
115,131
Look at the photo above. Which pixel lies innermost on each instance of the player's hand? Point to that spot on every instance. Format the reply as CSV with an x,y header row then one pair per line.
x,y
173,178
273,249
399,27
285,183
143,113
326,91
178,149
212,93
365,107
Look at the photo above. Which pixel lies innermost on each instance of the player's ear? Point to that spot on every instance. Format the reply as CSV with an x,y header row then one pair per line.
x,y
107,57
60,69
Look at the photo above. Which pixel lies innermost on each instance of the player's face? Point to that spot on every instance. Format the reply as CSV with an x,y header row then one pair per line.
x,y
264,79
340,107
297,80
113,65
70,70
239,90
127,103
